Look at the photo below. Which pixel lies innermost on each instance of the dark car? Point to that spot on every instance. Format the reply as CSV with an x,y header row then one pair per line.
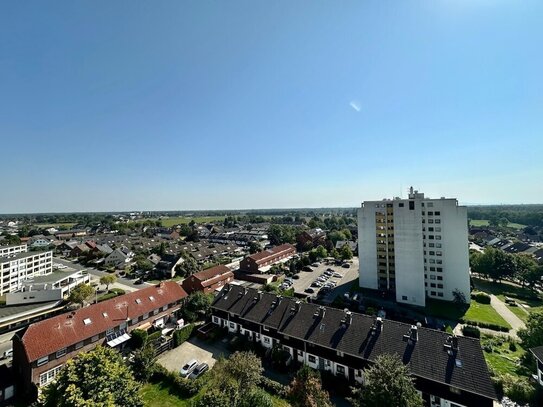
x,y
199,370
307,268
346,265
296,276
138,281
309,290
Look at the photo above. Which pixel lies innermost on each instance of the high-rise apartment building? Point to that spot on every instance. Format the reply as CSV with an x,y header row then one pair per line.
x,y
414,248
17,267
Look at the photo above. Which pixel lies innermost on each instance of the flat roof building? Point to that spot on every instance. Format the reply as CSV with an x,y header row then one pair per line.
x,y
414,248
18,267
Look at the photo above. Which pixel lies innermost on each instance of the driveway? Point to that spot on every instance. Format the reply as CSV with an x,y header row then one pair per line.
x,y
500,307
194,348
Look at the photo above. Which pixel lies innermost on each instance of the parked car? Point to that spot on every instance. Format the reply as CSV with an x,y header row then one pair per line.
x,y
346,265
307,268
138,281
337,275
316,284
309,290
296,276
188,367
7,354
316,264
199,370
330,269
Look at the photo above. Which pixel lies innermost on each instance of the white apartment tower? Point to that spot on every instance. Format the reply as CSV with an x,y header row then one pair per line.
x,y
17,267
414,248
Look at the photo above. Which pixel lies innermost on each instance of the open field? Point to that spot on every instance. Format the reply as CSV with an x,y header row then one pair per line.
x,y
178,220
66,225
484,222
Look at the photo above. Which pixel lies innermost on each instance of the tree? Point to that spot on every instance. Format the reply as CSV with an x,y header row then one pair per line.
x,y
257,398
387,383
198,305
306,389
345,252
96,378
144,362
336,236
142,263
107,280
254,247
526,269
81,293
532,335
321,252
12,239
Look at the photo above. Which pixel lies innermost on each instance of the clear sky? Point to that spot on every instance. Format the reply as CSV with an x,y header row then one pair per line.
x,y
166,105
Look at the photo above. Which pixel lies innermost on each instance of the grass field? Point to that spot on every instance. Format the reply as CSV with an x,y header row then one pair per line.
x,y
500,358
66,225
476,312
178,220
484,222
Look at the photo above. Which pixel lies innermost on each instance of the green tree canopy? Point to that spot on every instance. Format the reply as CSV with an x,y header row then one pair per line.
x,y
96,378
144,362
81,294
532,335
306,389
107,280
387,383
198,305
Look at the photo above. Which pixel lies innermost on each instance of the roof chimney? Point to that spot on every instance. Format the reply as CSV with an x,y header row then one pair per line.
x,y
377,325
347,318
454,344
414,333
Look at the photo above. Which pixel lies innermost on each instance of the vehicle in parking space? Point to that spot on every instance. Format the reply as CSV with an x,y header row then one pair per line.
x,y
138,281
328,273
188,367
296,276
337,275
199,370
309,290
321,279
330,269
307,268
316,284
346,265
316,264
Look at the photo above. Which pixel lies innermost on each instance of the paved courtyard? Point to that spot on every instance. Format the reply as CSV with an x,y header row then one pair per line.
x,y
194,348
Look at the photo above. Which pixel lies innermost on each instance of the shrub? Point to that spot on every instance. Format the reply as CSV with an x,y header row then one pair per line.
x,y
257,397
512,347
154,336
139,337
471,331
517,388
182,335
118,291
494,327
480,297
273,387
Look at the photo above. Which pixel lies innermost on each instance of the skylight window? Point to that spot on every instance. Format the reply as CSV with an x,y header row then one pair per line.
x,y
104,314
138,301
458,363
151,298
87,321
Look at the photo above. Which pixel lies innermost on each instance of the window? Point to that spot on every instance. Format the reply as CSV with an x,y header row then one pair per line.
x,y
266,339
430,204
151,298
432,293
440,269
340,353
87,321
400,204
438,221
95,338
439,253
440,294
60,353
440,278
437,213
411,205
311,359
79,345
432,277
43,361
430,213
438,245
430,221
404,297
433,285
440,286
138,301
232,325
340,369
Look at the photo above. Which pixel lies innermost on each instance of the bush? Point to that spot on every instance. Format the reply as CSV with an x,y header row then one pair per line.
x,y
273,387
494,327
512,347
139,337
182,335
118,291
257,397
517,388
154,336
480,297
471,331
183,387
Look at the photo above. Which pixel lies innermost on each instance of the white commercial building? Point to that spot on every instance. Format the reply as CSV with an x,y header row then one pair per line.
x,y
414,248
18,267
13,249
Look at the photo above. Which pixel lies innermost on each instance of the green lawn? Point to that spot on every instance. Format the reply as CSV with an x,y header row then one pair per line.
x,y
484,222
484,313
476,312
160,395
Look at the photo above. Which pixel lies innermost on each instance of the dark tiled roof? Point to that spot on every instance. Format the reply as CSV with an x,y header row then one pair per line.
x,y
538,352
466,369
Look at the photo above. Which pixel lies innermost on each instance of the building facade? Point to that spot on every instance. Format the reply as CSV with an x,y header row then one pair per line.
x,y
41,349
449,371
21,266
13,249
262,261
208,281
414,248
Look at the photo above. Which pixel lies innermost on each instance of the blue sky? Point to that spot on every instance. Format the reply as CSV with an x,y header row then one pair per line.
x,y
211,104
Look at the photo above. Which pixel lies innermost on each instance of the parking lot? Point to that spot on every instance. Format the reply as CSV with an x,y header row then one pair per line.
x,y
194,348
343,283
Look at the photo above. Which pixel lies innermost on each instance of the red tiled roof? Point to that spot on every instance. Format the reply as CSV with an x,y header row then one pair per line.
x,y
274,251
46,337
211,273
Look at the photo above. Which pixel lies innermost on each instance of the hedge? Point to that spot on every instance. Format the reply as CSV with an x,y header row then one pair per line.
x,y
182,335
273,387
154,336
480,297
494,327
185,388
471,331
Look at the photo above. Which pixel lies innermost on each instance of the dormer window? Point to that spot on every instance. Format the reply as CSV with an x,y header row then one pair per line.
x,y
87,321
138,301
104,314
